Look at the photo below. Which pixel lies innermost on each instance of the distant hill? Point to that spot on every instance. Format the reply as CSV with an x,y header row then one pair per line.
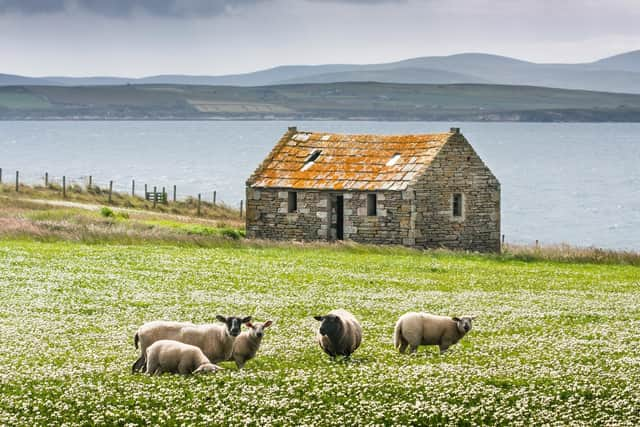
x,y
314,101
395,75
619,73
629,61
14,80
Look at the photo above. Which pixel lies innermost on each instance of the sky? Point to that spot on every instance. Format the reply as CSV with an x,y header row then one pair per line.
x,y
212,37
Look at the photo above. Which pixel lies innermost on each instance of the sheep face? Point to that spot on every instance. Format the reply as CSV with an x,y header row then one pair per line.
x,y
330,326
464,323
233,323
207,368
256,330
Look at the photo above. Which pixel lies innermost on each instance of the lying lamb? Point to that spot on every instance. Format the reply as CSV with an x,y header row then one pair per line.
x,y
248,342
340,333
216,341
177,358
415,329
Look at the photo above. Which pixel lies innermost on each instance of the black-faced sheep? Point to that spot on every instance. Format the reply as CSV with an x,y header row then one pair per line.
x,y
216,341
339,334
177,358
415,329
248,342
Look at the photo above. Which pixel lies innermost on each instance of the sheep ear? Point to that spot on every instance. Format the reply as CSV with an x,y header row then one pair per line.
x,y
455,319
246,319
319,318
267,324
473,317
249,325
221,318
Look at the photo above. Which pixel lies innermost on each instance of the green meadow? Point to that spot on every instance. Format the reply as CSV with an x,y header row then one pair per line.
x,y
554,343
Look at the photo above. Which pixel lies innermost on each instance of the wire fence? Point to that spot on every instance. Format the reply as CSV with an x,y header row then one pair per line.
x,y
157,194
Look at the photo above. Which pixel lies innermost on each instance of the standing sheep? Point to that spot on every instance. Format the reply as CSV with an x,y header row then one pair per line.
x,y
247,344
216,341
177,358
415,329
339,334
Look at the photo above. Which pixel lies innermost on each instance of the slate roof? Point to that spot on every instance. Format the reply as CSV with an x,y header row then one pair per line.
x,y
347,162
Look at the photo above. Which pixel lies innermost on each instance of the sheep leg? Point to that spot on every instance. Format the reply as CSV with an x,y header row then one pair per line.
x,y
137,365
152,368
413,349
443,348
403,345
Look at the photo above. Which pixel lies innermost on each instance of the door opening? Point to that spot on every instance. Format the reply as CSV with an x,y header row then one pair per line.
x,y
339,217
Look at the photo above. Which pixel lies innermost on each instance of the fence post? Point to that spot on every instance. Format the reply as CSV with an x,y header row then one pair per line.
x,y
199,199
0,175
537,243
90,182
17,180
133,188
145,191
214,197
503,240
155,199
46,180
64,186
110,190
241,203
174,193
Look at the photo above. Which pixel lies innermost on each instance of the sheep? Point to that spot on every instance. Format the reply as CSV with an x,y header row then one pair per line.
x,y
339,334
177,358
415,329
246,345
215,341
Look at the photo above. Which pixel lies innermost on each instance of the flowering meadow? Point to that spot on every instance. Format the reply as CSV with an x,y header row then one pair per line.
x,y
553,343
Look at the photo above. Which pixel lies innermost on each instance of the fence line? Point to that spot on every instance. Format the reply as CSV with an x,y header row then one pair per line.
x,y
86,182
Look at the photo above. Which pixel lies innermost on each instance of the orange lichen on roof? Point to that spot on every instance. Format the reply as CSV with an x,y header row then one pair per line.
x,y
347,162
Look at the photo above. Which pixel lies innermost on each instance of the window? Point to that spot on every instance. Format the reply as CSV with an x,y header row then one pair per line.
x,y
394,159
292,205
311,159
457,204
372,201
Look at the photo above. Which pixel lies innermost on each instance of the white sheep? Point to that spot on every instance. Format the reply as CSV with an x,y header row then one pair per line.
x,y
177,358
248,342
216,341
415,329
339,334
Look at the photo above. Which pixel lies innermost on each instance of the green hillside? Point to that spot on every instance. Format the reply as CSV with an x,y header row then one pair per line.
x,y
346,101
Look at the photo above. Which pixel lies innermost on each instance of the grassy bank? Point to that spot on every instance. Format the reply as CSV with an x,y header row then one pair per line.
x,y
100,196
553,343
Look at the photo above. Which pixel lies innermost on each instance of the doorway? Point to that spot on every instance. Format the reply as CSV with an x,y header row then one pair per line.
x,y
339,217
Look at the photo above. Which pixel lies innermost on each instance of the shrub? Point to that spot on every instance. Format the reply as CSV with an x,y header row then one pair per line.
x,y
107,213
231,233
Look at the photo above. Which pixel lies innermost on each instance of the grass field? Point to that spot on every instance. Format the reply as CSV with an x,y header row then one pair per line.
x,y
554,343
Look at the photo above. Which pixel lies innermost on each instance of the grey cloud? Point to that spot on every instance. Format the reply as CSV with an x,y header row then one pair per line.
x,y
161,8
126,8
31,6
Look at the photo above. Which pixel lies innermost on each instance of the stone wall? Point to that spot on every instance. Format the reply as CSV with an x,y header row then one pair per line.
x,y
316,216
391,225
268,217
458,169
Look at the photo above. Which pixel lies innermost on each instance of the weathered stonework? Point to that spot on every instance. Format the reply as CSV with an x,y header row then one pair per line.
x,y
419,214
457,169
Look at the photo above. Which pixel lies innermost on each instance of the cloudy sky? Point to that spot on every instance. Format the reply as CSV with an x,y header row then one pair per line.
x,y
146,37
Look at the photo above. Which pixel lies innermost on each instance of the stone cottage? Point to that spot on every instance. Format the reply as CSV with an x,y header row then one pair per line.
x,y
425,191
